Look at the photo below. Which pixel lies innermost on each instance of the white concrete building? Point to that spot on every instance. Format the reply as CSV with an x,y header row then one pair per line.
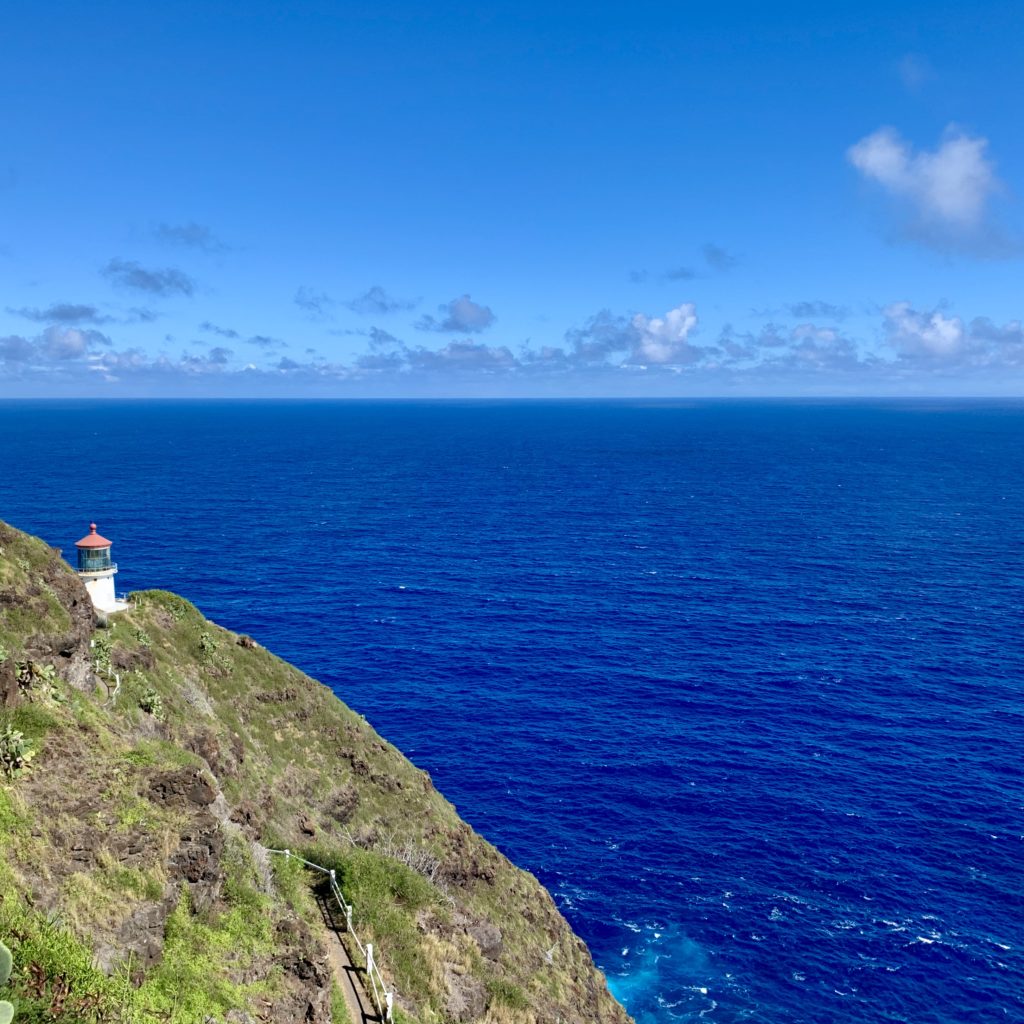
x,y
98,571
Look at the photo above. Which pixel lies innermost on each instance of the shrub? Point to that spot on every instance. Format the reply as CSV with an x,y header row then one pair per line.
x,y
32,675
101,655
15,752
151,702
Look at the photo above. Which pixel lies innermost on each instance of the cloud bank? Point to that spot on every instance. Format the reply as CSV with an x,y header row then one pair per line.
x,y
610,351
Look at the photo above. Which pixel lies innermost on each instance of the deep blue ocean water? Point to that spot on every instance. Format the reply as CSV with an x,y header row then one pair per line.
x,y
741,683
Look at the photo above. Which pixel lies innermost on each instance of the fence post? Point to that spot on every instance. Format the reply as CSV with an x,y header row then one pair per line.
x,y
388,1000
369,958
348,916
287,854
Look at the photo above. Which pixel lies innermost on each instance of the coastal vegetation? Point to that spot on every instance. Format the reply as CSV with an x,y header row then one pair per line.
x,y
147,766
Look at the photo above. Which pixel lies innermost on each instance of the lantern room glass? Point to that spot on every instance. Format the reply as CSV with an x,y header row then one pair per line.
x,y
94,559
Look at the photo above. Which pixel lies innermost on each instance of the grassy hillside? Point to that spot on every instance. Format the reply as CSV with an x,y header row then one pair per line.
x,y
134,879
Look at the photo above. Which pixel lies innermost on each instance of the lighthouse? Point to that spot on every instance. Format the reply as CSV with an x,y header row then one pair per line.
x,y
97,571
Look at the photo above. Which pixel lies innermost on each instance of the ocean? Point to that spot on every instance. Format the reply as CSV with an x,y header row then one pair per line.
x,y
742,683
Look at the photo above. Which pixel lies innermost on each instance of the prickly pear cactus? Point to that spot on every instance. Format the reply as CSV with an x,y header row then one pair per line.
x,y
6,1010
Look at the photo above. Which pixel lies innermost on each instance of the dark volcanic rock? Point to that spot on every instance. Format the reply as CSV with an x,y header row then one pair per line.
x,y
207,746
187,786
127,661
343,805
197,861
252,817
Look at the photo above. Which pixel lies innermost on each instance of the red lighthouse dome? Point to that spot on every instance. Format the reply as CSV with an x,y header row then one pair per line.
x,y
92,539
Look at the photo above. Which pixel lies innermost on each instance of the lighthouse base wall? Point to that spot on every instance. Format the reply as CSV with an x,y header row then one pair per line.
x,y
101,593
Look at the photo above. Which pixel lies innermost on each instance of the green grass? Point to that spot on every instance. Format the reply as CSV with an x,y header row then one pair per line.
x,y
12,821
131,882
506,993
23,561
190,984
339,1008
293,883
31,719
54,952
385,896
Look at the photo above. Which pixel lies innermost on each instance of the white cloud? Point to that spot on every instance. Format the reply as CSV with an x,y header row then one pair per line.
x,y
664,339
950,186
923,334
67,342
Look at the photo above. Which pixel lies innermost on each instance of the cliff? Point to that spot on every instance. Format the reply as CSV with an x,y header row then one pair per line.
x,y
135,822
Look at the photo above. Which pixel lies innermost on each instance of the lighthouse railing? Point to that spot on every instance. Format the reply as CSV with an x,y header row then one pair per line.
x,y
88,567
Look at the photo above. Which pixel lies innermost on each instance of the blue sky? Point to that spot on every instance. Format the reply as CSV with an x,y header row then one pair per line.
x,y
341,199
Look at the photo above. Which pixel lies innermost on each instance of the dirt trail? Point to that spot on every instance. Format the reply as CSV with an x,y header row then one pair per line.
x,y
349,977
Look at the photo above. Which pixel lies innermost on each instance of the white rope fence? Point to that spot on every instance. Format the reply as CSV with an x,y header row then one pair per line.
x,y
383,998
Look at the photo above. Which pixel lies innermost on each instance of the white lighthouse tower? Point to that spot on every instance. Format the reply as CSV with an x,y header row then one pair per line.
x,y
98,571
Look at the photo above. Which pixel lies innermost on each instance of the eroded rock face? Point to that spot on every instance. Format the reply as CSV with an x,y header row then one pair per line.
x,y
143,933
180,788
487,937
130,661
251,817
342,806
223,758
467,860
67,651
467,997
197,861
